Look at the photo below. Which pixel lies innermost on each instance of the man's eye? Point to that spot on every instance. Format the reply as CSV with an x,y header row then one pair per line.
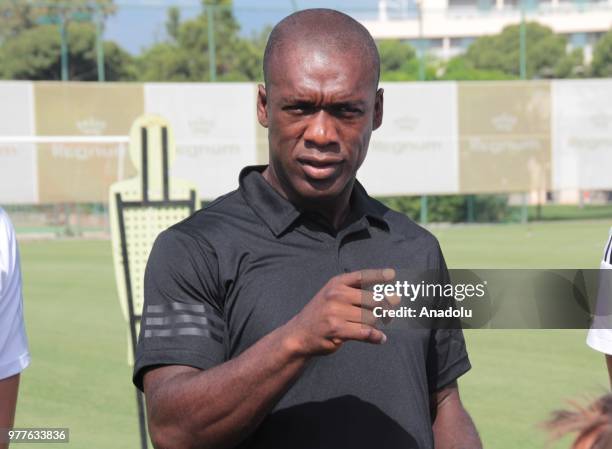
x,y
300,108
348,111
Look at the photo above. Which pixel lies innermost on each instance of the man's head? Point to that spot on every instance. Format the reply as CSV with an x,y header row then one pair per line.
x,y
320,103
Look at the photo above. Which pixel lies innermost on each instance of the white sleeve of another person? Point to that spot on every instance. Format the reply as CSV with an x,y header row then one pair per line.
x,y
14,353
600,338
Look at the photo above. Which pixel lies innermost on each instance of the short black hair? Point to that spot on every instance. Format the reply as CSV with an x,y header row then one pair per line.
x,y
327,27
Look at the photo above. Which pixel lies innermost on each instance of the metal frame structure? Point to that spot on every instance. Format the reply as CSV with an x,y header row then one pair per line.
x,y
152,207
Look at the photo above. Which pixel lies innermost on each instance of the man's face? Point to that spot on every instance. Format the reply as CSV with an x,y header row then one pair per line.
x,y
320,108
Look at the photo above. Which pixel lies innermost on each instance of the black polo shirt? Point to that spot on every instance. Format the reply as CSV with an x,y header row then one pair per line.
x,y
244,265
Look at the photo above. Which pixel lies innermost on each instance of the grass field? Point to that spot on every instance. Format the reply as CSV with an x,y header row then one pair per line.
x,y
79,376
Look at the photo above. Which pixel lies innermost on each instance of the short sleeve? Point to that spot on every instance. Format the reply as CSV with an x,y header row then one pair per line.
x,y
14,352
447,357
600,340
182,321
600,334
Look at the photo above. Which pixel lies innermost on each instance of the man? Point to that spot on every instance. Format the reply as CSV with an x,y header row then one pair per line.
x,y
600,337
14,354
255,333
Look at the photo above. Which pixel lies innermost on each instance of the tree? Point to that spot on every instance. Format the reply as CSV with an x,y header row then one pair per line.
x,y
42,45
399,62
185,55
572,65
167,62
394,55
461,69
173,22
546,53
601,65
17,16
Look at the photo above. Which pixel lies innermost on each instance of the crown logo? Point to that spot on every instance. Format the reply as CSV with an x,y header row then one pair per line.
x,y
601,120
91,126
504,122
406,122
201,126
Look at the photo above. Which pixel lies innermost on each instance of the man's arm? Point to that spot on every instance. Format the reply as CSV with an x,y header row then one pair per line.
x,y
221,406
8,402
452,427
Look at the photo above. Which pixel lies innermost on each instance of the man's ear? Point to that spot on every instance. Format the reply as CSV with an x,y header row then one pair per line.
x,y
378,109
262,103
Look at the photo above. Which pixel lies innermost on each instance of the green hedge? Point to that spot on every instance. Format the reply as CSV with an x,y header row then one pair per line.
x,y
455,208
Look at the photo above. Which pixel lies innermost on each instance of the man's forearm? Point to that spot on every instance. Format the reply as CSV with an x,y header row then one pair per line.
x,y
453,428
219,407
458,433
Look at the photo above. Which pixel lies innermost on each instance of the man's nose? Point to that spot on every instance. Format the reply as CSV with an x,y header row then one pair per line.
x,y
321,130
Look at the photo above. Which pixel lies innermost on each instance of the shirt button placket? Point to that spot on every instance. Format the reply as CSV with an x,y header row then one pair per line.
x,y
342,268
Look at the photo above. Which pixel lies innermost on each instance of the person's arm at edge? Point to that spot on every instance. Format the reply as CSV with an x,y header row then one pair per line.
x,y
609,365
452,426
8,392
10,292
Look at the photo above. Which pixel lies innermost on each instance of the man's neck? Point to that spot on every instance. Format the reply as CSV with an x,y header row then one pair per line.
x,y
335,210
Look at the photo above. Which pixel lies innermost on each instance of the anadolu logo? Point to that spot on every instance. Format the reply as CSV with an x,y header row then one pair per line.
x,y
91,126
504,122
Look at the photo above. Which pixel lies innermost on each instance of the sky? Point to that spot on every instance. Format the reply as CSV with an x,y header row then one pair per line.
x,y
140,23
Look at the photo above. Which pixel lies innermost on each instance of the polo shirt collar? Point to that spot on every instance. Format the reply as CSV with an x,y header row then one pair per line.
x,y
364,206
274,210
278,213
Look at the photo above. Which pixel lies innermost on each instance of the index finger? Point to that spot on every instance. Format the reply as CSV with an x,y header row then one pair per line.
x,y
364,278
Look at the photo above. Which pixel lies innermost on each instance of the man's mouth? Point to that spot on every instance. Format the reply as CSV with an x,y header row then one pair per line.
x,y
320,168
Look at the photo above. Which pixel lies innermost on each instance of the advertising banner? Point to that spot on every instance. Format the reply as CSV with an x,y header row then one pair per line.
x,y
83,171
214,127
504,136
415,149
18,180
582,134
